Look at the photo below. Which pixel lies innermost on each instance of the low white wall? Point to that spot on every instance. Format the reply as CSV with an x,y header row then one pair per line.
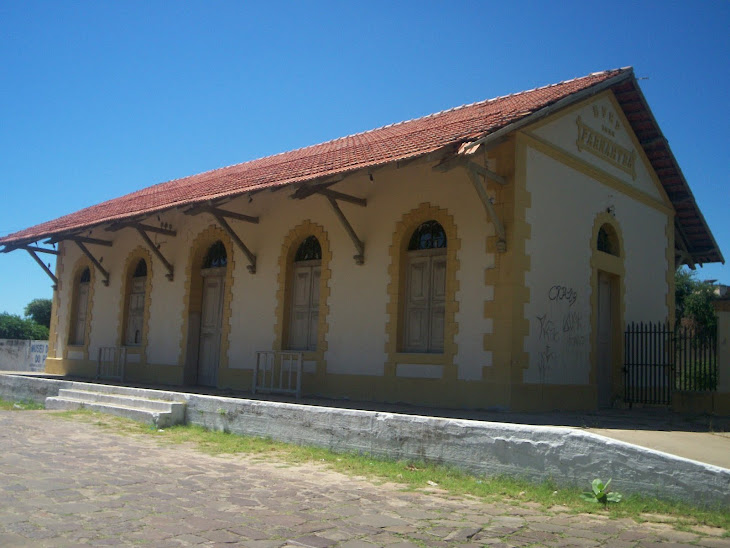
x,y
23,355
568,456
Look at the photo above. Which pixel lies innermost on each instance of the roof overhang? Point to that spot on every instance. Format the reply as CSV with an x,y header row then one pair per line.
x,y
692,234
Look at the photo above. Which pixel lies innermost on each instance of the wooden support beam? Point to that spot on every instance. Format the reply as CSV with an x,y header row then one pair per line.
x,y
215,211
305,191
31,251
488,173
250,256
450,163
218,212
489,208
362,202
39,249
141,226
461,161
170,269
680,243
359,245
97,264
85,240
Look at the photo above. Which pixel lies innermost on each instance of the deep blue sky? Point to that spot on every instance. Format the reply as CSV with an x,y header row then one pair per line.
x,y
98,99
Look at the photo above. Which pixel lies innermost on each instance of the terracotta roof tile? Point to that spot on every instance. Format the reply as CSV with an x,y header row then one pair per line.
x,y
390,143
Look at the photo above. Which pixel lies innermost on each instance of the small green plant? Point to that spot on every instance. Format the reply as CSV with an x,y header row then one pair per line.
x,y
600,493
23,405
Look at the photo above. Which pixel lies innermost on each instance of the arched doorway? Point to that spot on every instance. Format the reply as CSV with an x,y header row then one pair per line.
x,y
213,274
607,315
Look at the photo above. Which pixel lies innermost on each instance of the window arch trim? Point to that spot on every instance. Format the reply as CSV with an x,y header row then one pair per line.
x,y
132,274
290,245
404,229
83,265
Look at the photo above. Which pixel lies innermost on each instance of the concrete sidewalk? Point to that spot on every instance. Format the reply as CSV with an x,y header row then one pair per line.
x,y
70,483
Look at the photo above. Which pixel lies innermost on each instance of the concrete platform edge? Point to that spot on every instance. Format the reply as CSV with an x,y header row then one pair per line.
x,y
567,455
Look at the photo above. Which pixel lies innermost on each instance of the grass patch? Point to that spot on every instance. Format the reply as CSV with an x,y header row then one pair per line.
x,y
24,405
419,475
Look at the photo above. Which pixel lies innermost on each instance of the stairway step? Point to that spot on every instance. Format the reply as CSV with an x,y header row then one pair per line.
x,y
120,399
159,419
147,393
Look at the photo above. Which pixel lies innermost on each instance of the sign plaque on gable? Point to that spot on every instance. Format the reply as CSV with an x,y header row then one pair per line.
x,y
599,142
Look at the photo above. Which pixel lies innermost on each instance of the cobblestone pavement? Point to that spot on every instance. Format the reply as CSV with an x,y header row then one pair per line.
x,y
71,483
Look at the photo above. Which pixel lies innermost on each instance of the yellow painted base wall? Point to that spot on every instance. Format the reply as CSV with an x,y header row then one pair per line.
x,y
427,392
148,374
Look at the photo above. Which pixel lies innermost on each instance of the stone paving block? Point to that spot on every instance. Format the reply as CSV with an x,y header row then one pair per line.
x,y
263,544
133,490
714,542
379,520
356,544
664,544
312,541
219,536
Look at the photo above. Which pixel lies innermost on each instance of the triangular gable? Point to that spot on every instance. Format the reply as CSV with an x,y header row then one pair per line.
x,y
596,132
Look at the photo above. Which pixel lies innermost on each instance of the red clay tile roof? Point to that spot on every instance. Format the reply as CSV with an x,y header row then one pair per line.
x,y
364,150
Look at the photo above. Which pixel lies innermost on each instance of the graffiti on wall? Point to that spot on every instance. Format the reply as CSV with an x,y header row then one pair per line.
x,y
562,334
38,353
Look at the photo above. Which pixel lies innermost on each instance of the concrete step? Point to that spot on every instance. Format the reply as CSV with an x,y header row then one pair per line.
x,y
132,403
92,396
158,419
147,393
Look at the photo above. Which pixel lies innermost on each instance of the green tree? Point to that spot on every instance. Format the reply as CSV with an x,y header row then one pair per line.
x,y
39,310
693,300
13,326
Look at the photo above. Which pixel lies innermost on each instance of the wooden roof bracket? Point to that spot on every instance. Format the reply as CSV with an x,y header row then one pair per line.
x,y
246,251
32,252
332,197
220,216
97,264
682,254
143,229
487,203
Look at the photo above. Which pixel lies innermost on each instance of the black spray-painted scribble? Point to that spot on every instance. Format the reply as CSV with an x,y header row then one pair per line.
x,y
571,322
543,364
563,293
547,329
561,331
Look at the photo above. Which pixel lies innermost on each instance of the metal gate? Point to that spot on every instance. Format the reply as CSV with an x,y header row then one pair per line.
x,y
659,360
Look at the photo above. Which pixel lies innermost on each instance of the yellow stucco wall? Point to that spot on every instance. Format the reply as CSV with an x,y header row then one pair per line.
x,y
495,299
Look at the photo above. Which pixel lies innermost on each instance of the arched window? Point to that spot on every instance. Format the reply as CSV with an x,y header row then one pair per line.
x,y
80,309
216,256
607,240
135,305
425,289
304,312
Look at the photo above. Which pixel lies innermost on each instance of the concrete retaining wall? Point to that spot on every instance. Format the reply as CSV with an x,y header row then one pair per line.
x,y
23,355
36,389
568,456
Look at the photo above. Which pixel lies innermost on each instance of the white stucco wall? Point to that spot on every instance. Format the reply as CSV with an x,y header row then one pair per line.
x,y
565,203
358,294
602,116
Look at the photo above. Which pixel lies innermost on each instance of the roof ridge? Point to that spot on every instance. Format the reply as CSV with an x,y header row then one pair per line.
x,y
400,140
396,124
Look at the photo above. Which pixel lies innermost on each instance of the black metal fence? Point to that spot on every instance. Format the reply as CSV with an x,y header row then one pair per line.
x,y
659,359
